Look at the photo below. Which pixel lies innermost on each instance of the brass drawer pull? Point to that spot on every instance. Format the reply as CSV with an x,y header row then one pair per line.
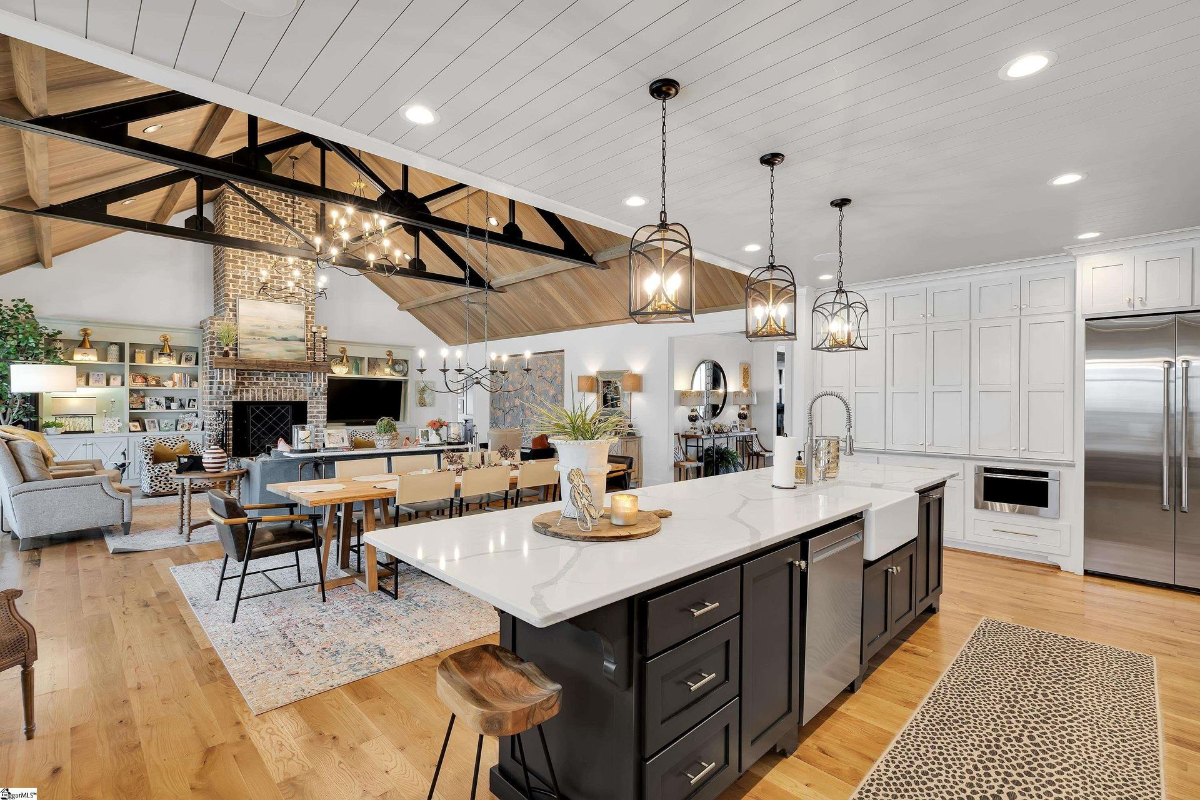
x,y
705,678
704,609
694,779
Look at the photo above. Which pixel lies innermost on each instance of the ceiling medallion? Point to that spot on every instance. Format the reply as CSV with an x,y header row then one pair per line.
x,y
462,377
839,316
290,278
771,290
662,270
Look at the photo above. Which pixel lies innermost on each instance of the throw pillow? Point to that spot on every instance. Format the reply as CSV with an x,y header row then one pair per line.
x,y
161,454
359,443
11,434
30,460
540,442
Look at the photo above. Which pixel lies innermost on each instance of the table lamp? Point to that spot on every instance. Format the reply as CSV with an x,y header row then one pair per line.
x,y
31,378
743,398
691,398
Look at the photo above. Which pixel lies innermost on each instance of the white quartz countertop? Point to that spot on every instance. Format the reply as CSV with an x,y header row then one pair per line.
x,y
373,451
500,559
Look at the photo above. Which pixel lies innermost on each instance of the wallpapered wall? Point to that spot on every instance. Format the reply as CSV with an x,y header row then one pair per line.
x,y
546,385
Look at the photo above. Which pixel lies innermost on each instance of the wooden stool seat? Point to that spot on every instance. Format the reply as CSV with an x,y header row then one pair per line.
x,y
495,692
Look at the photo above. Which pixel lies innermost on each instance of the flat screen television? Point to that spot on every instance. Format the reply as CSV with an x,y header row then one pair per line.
x,y
361,401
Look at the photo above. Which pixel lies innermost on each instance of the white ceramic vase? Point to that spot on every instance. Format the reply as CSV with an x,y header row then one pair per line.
x,y
592,458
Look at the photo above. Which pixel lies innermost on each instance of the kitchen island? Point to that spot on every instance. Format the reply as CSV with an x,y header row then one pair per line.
x,y
682,656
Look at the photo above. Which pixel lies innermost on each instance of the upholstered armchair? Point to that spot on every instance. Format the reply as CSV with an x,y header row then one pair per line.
x,y
157,478
18,645
36,502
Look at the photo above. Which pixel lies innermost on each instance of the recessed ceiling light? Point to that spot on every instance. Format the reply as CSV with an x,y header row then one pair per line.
x,y
752,248
264,8
825,257
1067,178
493,221
825,277
635,200
420,115
151,128
1028,64
1088,235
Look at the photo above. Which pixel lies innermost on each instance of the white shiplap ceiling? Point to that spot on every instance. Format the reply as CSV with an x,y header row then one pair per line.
x,y
894,103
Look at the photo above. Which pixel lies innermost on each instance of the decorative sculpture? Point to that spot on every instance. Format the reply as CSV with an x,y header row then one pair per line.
x,y
581,498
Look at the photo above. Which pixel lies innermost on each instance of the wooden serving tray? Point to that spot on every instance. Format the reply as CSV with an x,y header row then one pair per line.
x,y
648,524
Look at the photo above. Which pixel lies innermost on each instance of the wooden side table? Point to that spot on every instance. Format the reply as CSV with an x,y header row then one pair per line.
x,y
230,479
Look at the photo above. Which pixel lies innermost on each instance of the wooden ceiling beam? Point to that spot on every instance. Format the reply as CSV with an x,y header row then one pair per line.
x,y
29,79
205,140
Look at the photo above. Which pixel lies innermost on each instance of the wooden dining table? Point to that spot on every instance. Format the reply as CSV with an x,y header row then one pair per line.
x,y
368,490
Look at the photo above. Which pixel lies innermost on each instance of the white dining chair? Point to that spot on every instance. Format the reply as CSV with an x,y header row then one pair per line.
x,y
537,479
484,486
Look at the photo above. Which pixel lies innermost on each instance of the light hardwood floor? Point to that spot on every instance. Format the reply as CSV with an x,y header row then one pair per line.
x,y
133,702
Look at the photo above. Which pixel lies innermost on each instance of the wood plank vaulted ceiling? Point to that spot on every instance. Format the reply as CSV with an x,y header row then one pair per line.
x,y
539,296
895,103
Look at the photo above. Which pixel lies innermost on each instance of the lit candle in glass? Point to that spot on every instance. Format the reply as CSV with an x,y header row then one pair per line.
x,y
624,509
421,359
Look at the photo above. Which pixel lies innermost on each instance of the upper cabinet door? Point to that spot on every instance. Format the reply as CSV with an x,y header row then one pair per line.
x,y
948,302
831,373
868,389
906,387
1046,386
1163,279
947,387
876,310
1049,292
995,296
995,382
1106,283
906,306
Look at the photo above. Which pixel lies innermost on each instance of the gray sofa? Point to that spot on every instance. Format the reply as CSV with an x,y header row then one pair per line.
x,y
33,509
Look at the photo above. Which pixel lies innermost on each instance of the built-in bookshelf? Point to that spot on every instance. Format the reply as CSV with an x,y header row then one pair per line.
x,y
135,378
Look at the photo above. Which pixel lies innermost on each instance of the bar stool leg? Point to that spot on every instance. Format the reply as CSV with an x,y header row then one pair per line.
x,y
549,763
478,756
524,767
441,757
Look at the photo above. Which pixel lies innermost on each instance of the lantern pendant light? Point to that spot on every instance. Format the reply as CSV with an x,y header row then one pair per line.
x,y
839,317
771,290
662,270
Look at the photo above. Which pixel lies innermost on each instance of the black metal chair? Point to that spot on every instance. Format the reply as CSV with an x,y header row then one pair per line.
x,y
619,483
245,539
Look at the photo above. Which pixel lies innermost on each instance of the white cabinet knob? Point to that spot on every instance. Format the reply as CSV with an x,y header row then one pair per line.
x,y
1024,305
1129,301
1014,308
1014,448
1142,300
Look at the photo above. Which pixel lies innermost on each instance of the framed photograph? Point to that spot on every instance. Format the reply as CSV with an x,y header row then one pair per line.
x,y
81,378
154,403
164,358
135,426
191,404
114,380
139,357
151,426
137,379
167,425
96,379
426,397
187,358
137,400
154,380
269,330
183,426
338,438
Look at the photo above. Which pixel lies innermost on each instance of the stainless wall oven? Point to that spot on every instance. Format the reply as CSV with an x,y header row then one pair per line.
x,y
1017,491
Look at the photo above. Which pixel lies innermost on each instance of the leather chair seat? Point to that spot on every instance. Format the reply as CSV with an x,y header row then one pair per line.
x,y
425,506
278,538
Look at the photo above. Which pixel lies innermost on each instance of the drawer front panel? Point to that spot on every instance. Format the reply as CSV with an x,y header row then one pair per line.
x,y
688,610
688,683
700,765
1018,535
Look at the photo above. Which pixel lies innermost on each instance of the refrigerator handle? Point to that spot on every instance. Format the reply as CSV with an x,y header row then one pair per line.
x,y
1166,442
1184,364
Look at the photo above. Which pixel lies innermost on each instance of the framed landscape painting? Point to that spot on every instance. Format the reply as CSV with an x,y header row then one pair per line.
x,y
269,330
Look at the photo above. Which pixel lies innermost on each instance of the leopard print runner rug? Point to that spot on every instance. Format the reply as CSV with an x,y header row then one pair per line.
x,y
1023,714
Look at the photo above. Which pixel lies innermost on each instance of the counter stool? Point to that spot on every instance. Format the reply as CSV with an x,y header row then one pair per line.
x,y
497,694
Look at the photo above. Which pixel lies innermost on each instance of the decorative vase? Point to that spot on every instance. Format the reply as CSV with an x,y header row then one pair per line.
x,y
590,457
387,440
225,352
214,459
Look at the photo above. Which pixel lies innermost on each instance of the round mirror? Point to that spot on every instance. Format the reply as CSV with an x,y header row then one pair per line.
x,y
710,379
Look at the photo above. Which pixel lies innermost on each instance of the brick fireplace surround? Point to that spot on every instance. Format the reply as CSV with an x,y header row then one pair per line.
x,y
237,274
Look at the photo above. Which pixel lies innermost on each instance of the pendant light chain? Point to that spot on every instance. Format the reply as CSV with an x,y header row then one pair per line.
x,y
771,244
662,215
841,219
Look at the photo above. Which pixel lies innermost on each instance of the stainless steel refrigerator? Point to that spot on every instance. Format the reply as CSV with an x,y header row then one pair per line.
x,y
1142,467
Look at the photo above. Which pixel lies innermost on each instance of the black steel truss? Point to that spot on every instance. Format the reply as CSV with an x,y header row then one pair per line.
x,y
106,127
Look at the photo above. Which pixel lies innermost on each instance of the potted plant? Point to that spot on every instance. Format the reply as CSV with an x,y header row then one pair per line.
x,y
226,332
22,339
385,432
582,434
52,427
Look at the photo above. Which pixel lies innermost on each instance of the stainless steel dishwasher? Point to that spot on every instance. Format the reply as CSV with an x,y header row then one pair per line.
x,y
833,621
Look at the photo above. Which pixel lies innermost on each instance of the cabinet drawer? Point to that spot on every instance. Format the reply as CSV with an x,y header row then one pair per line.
x,y
686,684
682,613
700,765
1019,535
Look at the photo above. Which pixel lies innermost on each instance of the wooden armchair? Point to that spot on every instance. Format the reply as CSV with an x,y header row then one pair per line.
x,y
757,456
18,645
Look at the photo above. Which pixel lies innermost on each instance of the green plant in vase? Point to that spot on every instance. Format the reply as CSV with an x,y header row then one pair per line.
x,y
22,339
226,332
52,426
582,435
719,460
386,432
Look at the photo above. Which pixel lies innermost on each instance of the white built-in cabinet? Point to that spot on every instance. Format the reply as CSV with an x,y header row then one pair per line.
x,y
948,387
1046,386
868,391
995,387
1048,292
876,309
948,302
906,388
1121,282
906,306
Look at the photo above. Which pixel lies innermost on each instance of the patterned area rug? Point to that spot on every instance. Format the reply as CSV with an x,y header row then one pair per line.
x,y
289,646
156,525
1023,713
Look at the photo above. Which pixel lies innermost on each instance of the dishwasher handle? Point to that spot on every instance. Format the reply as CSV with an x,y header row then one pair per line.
x,y
837,547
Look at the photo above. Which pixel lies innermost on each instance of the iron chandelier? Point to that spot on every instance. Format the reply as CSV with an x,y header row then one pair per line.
x,y
771,290
839,317
662,269
290,278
